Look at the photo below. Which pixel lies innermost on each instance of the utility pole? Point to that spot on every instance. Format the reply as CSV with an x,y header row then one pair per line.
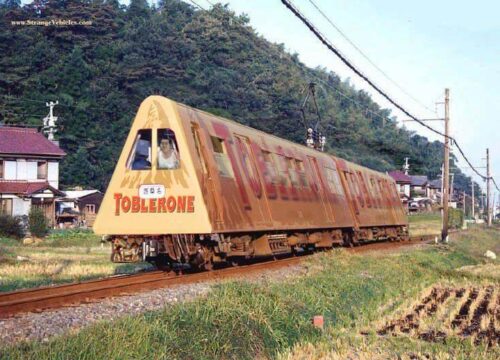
x,y
473,215
488,184
446,172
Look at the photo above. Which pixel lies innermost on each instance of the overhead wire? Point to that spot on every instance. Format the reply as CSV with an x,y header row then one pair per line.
x,y
367,58
358,72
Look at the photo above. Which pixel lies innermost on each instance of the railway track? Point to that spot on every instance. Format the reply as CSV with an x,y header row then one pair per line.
x,y
50,297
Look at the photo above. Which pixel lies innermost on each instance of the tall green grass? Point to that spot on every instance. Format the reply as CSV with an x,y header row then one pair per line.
x,y
242,320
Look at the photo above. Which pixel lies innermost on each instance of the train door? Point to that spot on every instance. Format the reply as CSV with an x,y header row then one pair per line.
x,y
208,179
318,180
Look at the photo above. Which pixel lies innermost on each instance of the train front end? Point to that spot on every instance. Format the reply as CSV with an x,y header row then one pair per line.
x,y
153,208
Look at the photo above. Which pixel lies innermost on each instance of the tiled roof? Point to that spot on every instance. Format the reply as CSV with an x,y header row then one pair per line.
x,y
435,184
75,194
418,180
400,177
24,141
26,188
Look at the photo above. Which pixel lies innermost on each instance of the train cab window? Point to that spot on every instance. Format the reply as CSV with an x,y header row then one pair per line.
x,y
221,158
168,151
140,157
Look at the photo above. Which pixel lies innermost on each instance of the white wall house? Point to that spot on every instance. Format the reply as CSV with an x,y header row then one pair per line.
x,y
29,172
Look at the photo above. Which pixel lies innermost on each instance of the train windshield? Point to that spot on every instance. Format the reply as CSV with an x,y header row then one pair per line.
x,y
140,158
168,153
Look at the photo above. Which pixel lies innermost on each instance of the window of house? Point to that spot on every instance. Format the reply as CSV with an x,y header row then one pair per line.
x,y
41,170
90,208
221,158
1,169
6,207
168,151
140,156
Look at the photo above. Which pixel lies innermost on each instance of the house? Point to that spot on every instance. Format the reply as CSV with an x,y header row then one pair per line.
x,y
29,172
78,207
419,186
403,182
434,190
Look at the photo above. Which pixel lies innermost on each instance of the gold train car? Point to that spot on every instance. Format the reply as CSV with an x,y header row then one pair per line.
x,y
194,188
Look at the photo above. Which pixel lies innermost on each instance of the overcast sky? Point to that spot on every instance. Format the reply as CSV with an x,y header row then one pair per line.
x,y
423,45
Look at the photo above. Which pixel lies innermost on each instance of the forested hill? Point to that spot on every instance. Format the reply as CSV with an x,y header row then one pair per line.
x,y
210,60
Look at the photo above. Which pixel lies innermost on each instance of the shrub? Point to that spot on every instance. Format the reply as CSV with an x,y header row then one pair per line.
x,y
10,226
455,218
38,223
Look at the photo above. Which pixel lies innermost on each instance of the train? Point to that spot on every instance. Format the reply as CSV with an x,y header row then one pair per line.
x,y
192,188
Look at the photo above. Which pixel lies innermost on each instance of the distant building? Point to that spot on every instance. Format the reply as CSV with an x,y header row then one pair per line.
x,y
434,190
78,208
29,172
403,182
419,186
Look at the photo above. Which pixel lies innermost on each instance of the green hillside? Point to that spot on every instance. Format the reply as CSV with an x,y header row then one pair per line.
x,y
210,60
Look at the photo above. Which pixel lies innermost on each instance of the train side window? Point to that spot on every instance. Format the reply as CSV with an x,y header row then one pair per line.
x,y
294,178
299,166
140,156
221,158
168,151
270,167
284,177
330,179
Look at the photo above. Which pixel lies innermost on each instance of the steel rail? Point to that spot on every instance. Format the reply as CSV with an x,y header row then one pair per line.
x,y
51,297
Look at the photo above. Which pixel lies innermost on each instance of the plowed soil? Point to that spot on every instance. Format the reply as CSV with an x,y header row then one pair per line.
x,y
469,312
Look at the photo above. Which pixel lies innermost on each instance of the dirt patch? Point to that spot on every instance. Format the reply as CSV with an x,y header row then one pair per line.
x,y
472,312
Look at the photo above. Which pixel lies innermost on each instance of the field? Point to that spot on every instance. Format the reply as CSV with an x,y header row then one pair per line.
x,y
425,302
425,224
65,256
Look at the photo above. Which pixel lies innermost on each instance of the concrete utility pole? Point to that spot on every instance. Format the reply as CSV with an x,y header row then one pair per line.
x,y
446,172
49,122
488,184
473,215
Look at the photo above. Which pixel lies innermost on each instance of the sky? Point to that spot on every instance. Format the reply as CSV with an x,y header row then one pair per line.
x,y
424,46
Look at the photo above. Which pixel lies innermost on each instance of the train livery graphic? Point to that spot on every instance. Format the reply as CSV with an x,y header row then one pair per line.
x,y
194,188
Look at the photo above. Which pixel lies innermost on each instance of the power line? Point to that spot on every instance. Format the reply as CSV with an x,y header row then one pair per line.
x,y
358,72
197,5
368,59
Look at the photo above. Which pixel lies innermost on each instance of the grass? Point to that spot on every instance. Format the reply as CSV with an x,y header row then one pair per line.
x,y
425,224
245,320
64,256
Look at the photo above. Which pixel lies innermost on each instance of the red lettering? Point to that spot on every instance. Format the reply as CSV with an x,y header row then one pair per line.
x,y
136,204
162,205
181,204
190,204
125,204
171,204
144,208
117,205
222,131
152,205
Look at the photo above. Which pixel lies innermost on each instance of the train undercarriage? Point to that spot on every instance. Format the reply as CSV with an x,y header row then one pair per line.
x,y
204,251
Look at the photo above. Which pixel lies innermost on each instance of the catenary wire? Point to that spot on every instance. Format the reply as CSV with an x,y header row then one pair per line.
x,y
367,58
